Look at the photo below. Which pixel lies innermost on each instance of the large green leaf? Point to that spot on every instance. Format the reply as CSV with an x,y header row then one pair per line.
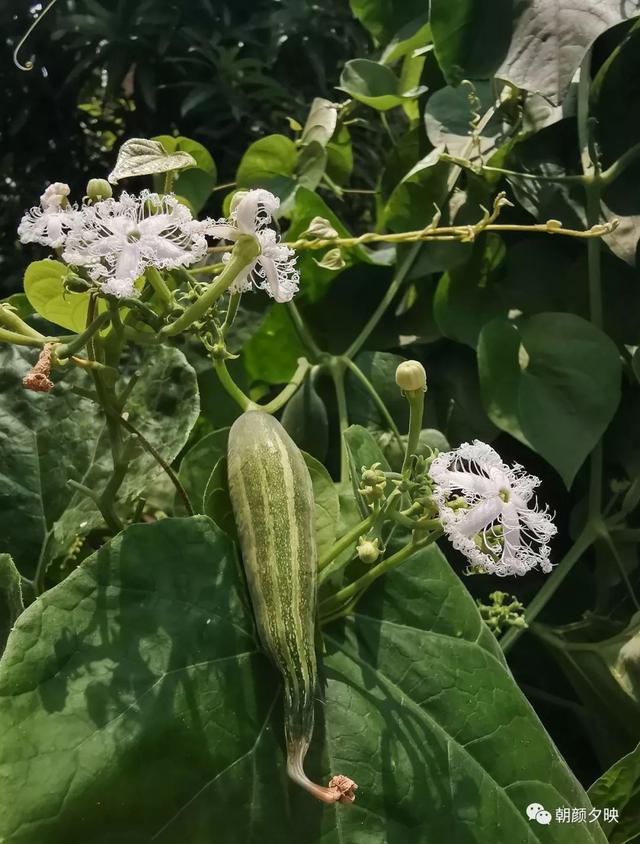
x,y
269,163
48,439
272,353
552,381
135,707
316,279
419,195
536,44
450,114
384,17
603,668
619,788
10,597
470,295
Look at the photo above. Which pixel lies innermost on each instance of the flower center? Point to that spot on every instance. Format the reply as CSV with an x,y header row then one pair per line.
x,y
504,494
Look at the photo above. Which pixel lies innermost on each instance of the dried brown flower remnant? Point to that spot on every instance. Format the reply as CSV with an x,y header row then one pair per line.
x,y
345,787
37,379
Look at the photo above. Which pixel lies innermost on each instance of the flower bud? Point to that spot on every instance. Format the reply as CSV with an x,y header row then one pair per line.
x,y
99,189
368,550
320,229
55,196
236,199
411,376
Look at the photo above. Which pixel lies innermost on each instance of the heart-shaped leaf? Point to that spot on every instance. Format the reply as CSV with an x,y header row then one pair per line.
x,y
135,706
536,44
374,84
44,286
144,157
553,382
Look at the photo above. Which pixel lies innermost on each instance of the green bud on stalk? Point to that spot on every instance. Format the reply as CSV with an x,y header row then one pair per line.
x,y
98,189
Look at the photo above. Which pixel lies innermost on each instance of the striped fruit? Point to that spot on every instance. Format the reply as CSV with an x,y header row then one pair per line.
x,y
272,500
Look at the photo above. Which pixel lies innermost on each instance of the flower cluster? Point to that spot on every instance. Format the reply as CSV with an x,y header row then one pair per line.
x,y
487,512
115,240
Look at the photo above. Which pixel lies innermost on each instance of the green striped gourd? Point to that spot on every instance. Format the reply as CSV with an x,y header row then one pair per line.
x,y
272,499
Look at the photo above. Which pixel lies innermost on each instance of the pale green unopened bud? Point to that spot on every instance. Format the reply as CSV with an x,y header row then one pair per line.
x,y
99,189
411,376
368,550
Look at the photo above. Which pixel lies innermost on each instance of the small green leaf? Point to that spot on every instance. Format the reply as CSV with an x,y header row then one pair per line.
x,y
10,597
321,122
327,504
312,162
44,287
554,382
373,84
143,157
269,163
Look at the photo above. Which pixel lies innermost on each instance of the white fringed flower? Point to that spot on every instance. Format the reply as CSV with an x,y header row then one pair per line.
x,y
500,529
117,239
49,222
274,270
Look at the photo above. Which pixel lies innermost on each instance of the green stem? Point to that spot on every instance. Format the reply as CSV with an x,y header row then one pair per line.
x,y
43,563
375,397
315,352
68,349
387,299
555,579
606,536
243,400
355,589
169,176
160,287
245,251
231,387
336,369
232,311
19,339
12,321
175,480
416,411
345,542
304,367
618,167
